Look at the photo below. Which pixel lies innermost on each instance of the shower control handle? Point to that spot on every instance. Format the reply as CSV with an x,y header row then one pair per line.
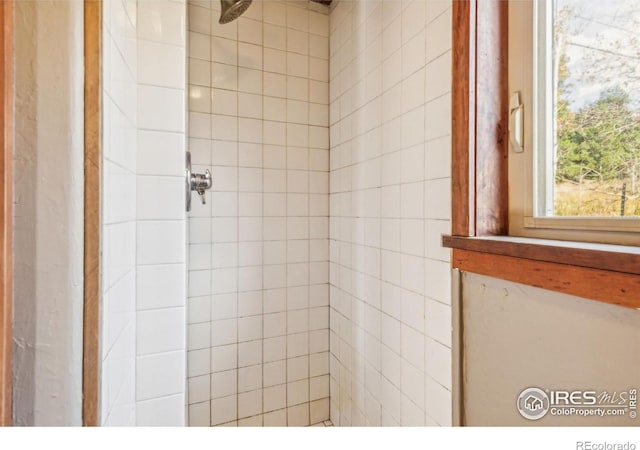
x,y
201,182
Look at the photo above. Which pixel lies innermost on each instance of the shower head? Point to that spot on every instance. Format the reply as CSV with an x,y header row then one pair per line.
x,y
232,9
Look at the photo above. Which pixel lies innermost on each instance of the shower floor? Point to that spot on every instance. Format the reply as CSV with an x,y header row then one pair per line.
x,y
326,423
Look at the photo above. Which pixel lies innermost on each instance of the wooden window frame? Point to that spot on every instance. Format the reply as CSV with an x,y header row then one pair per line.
x,y
480,217
92,207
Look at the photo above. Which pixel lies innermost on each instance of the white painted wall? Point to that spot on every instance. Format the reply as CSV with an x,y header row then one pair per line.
x,y
48,236
390,190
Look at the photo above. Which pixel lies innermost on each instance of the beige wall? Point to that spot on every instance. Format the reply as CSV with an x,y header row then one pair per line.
x,y
48,296
517,336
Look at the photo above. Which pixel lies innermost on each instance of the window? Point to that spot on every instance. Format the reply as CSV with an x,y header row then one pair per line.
x,y
501,226
574,85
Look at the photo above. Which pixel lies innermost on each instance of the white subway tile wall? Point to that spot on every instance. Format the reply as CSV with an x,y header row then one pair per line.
x,y
390,313
258,312
144,221
118,318
161,332
258,318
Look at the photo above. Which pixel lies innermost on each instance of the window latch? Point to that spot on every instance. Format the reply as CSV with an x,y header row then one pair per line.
x,y
516,123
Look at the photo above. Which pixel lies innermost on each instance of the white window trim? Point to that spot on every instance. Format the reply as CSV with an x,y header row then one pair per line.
x,y
523,220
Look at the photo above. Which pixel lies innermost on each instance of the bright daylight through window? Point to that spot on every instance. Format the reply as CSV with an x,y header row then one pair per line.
x,y
587,113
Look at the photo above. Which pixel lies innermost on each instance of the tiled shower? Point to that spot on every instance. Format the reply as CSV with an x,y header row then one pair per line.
x,y
258,333
390,189
312,285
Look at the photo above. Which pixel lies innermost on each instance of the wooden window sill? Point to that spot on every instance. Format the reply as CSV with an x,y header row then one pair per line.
x,y
601,272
